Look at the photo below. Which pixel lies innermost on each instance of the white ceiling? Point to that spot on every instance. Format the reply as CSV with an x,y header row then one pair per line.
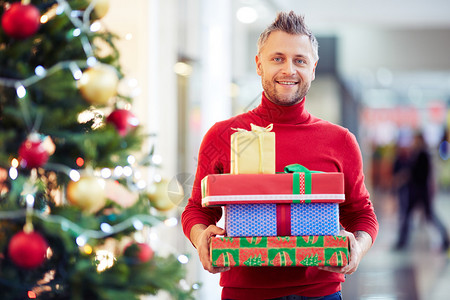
x,y
380,13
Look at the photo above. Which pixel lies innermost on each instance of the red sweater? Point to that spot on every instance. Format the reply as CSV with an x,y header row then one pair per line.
x,y
303,139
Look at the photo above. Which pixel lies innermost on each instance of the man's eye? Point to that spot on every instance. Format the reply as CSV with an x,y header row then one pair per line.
x,y
300,61
277,59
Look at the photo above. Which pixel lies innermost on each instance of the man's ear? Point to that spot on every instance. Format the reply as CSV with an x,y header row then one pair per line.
x,y
314,71
258,65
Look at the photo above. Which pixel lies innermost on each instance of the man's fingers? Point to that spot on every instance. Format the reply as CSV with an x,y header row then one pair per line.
x,y
204,251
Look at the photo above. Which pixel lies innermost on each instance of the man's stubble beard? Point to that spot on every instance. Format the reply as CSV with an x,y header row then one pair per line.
x,y
271,93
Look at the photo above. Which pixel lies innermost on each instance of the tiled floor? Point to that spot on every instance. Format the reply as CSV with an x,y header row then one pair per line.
x,y
420,272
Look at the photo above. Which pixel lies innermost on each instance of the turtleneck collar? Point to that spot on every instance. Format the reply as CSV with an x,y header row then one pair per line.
x,y
274,113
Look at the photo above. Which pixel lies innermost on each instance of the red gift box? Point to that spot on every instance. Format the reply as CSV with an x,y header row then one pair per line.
x,y
279,251
225,189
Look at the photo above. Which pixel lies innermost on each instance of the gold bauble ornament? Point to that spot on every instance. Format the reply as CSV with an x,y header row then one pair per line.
x,y
98,84
101,8
88,193
165,197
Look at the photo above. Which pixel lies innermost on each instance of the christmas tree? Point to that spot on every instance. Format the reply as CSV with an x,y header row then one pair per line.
x,y
74,211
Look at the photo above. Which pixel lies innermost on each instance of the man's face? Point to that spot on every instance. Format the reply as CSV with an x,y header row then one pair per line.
x,y
286,65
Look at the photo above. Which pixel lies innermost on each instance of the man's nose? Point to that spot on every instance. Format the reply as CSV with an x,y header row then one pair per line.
x,y
288,67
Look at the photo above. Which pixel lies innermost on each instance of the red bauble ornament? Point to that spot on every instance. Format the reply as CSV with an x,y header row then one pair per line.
x,y
27,250
32,153
144,254
123,120
21,21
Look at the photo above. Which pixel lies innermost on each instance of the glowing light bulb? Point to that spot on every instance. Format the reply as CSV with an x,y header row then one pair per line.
x,y
21,91
183,259
13,173
40,71
131,159
76,32
118,171
81,241
105,227
79,161
106,173
141,184
96,26
59,10
138,224
14,163
30,200
87,249
91,61
74,175
44,19
127,171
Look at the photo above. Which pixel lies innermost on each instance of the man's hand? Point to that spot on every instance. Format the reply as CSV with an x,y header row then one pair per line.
x,y
201,237
360,243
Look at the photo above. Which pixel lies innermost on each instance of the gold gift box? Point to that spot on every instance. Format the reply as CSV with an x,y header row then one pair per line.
x,y
253,152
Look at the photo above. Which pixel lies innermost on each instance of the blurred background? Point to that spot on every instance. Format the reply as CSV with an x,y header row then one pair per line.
x,y
384,73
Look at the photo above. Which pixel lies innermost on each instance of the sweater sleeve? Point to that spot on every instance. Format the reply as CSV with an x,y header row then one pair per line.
x,y
357,212
210,160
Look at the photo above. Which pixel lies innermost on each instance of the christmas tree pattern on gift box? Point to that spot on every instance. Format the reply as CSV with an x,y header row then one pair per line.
x,y
253,257
310,256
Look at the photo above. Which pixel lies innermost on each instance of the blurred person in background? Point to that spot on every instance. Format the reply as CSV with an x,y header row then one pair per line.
x,y
444,161
401,174
420,193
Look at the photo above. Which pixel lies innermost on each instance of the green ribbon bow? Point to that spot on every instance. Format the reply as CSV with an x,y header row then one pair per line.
x,y
296,169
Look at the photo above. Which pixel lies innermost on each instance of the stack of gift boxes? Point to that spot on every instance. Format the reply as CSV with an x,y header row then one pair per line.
x,y
274,219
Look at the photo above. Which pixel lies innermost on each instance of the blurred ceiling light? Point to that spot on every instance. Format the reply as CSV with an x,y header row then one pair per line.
x,y
182,69
246,15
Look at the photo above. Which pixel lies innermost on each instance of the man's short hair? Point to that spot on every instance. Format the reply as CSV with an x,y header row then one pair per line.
x,y
293,24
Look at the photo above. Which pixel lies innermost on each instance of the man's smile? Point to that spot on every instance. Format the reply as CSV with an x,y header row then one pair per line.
x,y
286,82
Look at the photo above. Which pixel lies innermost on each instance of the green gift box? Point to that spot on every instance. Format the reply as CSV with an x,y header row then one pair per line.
x,y
279,251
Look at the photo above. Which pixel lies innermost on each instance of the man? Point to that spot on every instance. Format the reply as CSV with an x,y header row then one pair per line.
x,y
286,61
